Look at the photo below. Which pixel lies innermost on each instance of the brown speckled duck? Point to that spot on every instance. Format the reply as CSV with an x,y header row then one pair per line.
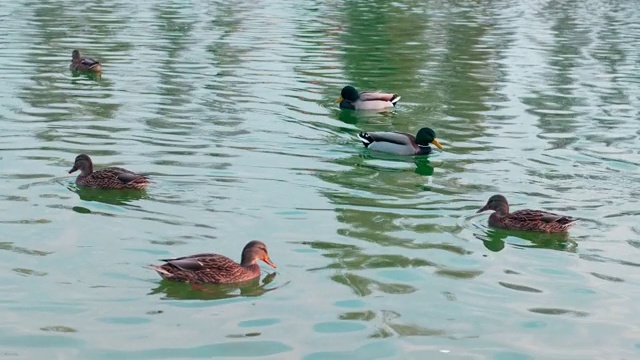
x,y
526,219
107,178
214,268
350,98
78,63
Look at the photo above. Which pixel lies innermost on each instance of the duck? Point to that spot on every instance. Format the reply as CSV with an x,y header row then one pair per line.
x,y
350,98
78,63
525,219
401,143
107,178
214,268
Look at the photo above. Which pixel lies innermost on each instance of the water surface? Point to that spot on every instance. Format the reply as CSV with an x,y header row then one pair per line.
x,y
229,107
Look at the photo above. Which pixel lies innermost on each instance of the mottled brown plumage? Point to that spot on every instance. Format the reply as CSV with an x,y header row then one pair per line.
x,y
215,268
107,178
526,219
78,63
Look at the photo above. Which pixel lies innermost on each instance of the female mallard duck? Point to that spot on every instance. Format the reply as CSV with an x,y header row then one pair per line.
x,y
400,143
214,268
107,178
78,63
350,98
526,219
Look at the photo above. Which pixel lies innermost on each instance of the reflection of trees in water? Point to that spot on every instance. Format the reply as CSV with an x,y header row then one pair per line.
x,y
176,93
112,197
495,240
382,45
183,291
448,60
47,94
552,98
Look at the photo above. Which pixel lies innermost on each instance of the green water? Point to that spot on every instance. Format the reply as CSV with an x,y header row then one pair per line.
x,y
229,107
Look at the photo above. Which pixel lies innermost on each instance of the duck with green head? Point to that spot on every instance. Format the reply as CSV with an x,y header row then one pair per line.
x,y
107,178
350,98
214,268
525,219
79,63
401,143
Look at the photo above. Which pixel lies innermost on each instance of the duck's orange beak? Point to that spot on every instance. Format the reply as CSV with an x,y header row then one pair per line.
x,y
340,99
268,261
437,143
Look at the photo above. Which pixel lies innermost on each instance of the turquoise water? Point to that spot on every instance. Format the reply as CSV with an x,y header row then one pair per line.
x,y
228,106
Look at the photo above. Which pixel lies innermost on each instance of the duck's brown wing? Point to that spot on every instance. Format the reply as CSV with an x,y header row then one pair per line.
x,y
123,175
551,218
89,62
188,264
539,215
538,220
202,255
204,268
191,262
131,177
204,262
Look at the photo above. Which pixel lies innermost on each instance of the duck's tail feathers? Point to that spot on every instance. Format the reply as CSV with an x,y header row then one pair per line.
x,y
159,270
365,138
395,99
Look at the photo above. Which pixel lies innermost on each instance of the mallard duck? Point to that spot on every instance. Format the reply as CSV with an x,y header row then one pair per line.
x,y
526,219
400,143
78,63
350,98
214,268
107,178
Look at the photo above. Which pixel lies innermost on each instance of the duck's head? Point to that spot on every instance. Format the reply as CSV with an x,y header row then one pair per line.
x,y
427,136
82,163
497,203
348,93
75,54
254,251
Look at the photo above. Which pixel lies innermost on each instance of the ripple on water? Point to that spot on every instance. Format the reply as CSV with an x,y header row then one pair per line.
x,y
554,311
375,350
519,287
247,348
335,327
259,322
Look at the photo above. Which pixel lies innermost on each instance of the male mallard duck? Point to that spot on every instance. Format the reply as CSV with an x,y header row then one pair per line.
x,y
78,63
351,99
526,219
214,268
400,143
107,178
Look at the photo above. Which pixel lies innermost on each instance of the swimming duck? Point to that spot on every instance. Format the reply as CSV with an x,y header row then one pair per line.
x,y
350,98
78,63
214,268
400,143
107,178
526,219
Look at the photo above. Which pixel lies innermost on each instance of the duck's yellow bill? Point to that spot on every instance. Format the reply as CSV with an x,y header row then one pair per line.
x,y
339,99
437,143
268,261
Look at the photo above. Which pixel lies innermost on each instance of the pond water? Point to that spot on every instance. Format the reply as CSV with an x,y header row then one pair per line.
x,y
229,107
